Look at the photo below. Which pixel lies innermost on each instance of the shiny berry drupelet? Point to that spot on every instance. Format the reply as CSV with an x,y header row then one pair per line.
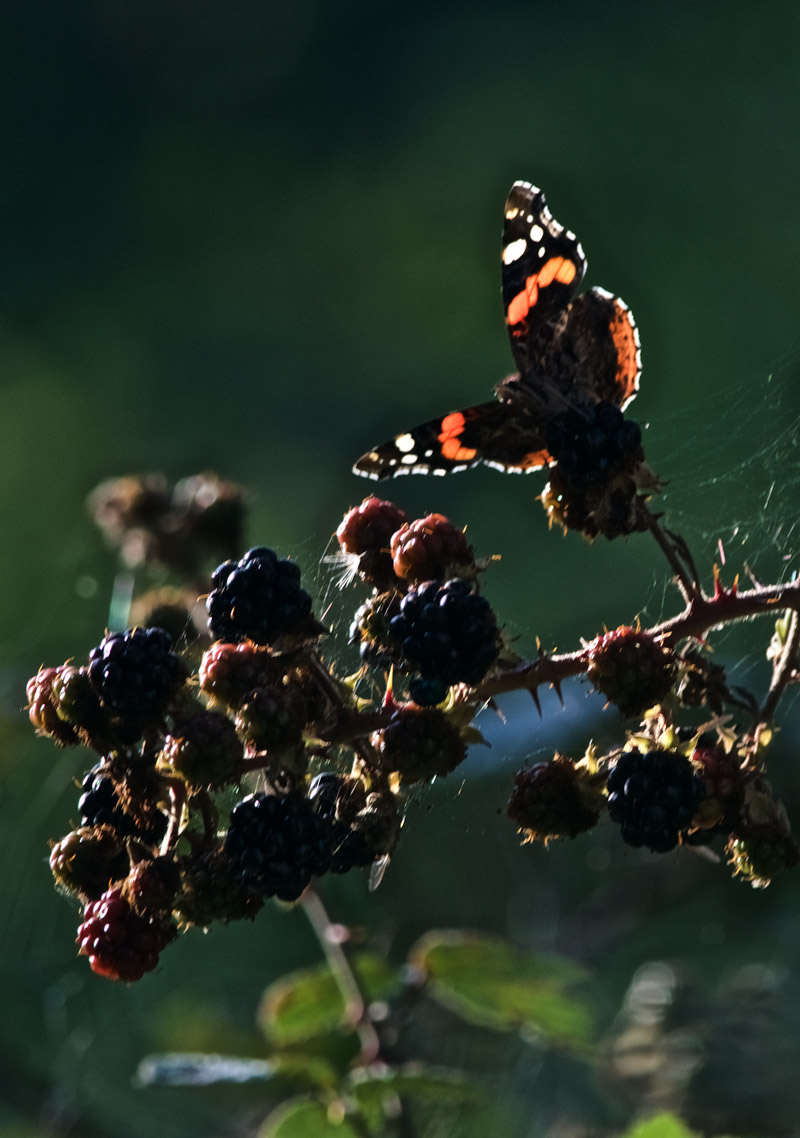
x,y
134,673
446,632
277,844
120,944
256,598
591,444
652,797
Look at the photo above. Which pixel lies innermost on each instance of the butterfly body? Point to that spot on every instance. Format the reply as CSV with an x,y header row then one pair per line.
x,y
571,352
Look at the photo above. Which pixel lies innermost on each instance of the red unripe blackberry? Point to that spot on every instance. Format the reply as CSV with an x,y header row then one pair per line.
x,y
277,844
120,944
431,548
135,673
42,709
652,797
554,800
419,743
228,672
203,749
446,632
631,669
88,860
258,598
368,528
212,890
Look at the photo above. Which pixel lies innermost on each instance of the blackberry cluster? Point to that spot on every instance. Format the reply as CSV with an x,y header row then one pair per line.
x,y
277,844
653,797
590,444
134,674
257,598
446,632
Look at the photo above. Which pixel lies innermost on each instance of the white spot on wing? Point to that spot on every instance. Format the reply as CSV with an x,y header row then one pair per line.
x,y
514,250
537,233
405,442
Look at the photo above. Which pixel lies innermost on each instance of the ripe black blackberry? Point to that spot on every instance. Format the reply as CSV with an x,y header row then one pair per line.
x,y
277,844
446,632
257,598
652,797
590,444
135,673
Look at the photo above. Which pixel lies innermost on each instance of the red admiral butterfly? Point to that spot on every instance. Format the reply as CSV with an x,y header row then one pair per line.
x,y
570,354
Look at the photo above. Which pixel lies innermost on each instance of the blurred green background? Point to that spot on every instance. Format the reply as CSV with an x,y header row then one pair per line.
x,y
260,238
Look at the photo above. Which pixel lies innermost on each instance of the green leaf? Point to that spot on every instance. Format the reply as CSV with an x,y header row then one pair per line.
x,y
660,1126
307,1004
306,1118
489,982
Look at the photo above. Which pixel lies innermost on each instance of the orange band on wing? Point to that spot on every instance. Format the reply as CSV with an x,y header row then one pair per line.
x,y
557,269
450,438
626,342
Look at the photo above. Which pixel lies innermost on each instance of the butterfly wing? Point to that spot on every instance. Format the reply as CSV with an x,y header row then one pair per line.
x,y
543,266
498,434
